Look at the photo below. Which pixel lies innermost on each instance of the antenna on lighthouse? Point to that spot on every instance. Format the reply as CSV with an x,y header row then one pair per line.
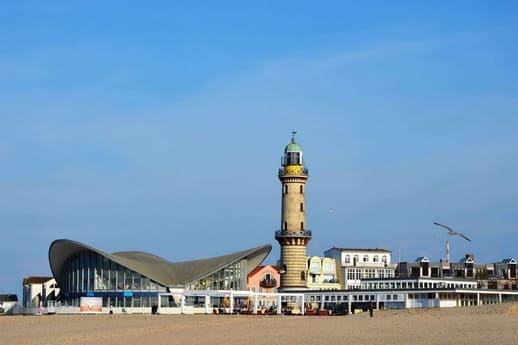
x,y
448,250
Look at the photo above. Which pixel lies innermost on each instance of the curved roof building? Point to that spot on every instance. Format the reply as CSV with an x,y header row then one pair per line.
x,y
134,279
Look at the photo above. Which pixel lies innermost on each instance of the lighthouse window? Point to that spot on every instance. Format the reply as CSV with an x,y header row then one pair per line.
x,y
285,189
285,226
302,275
301,189
301,225
302,207
293,158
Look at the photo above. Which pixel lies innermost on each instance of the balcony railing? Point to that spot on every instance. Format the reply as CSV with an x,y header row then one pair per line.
x,y
268,283
297,233
305,172
331,281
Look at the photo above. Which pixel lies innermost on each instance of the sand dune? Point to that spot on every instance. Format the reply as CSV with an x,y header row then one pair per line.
x,y
496,324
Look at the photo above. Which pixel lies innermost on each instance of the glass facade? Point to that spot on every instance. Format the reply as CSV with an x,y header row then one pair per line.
x,y
232,276
88,274
92,275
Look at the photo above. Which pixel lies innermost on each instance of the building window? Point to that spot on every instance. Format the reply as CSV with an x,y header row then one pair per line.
x,y
301,189
301,207
315,267
285,226
293,158
285,189
347,259
327,267
302,275
375,258
365,258
301,225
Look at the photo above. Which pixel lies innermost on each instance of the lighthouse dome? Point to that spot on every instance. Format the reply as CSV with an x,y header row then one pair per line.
x,y
293,153
293,146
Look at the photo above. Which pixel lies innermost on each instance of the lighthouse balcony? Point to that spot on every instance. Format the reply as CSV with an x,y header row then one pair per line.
x,y
297,170
296,233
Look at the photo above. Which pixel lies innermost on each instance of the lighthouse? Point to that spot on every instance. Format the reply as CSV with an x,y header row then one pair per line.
x,y
293,236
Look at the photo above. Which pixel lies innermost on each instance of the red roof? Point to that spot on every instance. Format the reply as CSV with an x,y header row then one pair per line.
x,y
36,280
255,270
259,268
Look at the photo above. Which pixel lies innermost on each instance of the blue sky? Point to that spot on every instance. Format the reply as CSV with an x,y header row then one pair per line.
x,y
159,127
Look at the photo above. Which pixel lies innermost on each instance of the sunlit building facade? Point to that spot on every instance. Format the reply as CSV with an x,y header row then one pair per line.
x,y
322,274
356,264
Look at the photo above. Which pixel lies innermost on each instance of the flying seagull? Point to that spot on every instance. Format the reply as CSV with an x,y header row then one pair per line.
x,y
453,232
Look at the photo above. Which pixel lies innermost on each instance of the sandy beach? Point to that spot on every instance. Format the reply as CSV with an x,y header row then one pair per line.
x,y
495,324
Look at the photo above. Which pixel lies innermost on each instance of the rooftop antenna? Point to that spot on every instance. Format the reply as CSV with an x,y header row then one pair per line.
x,y
448,250
293,136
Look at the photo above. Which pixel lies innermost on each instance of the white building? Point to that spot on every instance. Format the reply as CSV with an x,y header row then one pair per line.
x,y
8,303
39,292
355,264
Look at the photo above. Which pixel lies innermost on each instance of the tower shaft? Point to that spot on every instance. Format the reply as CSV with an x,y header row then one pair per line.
x,y
293,236
293,213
